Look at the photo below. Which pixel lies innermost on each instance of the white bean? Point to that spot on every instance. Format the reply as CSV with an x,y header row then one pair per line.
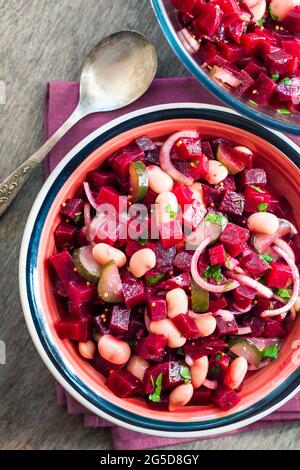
x,y
158,180
206,324
197,191
236,372
167,328
297,304
103,253
114,350
137,366
258,8
263,222
87,349
177,302
180,396
166,207
142,261
199,371
281,8
216,172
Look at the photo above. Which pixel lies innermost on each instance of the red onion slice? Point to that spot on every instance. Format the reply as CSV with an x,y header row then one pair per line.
x,y
285,247
165,156
262,242
225,76
245,330
263,343
186,37
225,314
89,195
296,284
203,230
248,281
87,215
211,384
198,279
242,310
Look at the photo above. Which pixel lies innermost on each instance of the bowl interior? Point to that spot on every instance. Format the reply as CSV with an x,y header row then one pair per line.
x,y
167,17
285,176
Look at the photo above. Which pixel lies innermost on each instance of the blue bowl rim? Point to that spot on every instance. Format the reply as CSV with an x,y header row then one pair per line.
x,y
30,295
202,77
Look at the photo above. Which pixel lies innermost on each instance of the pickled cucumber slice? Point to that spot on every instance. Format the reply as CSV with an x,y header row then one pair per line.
x,y
200,298
110,284
243,348
138,179
86,265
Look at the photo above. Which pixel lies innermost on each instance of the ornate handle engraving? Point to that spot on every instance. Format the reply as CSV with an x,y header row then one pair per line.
x,y
13,183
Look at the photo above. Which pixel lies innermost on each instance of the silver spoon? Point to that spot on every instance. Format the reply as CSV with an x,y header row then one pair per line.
x,y
117,72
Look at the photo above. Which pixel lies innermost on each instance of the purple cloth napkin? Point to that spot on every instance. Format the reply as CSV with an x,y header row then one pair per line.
x,y
60,102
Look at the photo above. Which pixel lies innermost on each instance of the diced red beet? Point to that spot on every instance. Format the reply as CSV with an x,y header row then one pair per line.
x,y
207,149
186,6
218,304
186,326
119,320
122,160
151,375
254,69
209,20
211,56
72,210
80,309
100,324
279,275
204,347
152,347
149,148
211,195
183,194
162,404
292,20
65,236
109,195
256,324
227,183
172,377
123,383
218,364
201,397
183,260
243,296
132,247
137,329
234,160
188,149
182,280
171,233
225,398
273,329
199,168
254,176
99,178
232,52
81,237
157,308
76,330
81,291
292,46
59,288
254,265
103,366
64,268
255,196
278,61
262,304
255,45
193,214
133,290
226,327
217,255
264,88
235,30
234,237
164,257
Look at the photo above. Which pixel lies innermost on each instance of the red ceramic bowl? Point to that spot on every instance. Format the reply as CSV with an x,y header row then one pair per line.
x,y
263,391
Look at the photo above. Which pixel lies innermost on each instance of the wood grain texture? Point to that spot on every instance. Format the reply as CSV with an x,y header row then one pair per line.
x,y
42,40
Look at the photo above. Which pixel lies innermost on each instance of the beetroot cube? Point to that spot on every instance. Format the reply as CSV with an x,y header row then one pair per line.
x,y
77,330
279,275
103,366
262,304
136,329
227,183
201,397
234,237
246,83
123,383
182,280
164,257
211,56
152,347
255,45
157,309
204,347
218,365
149,148
232,202
217,255
273,329
64,236
72,210
151,375
59,288
80,309
122,161
243,296
207,149
172,378
188,149
81,237
256,324
255,195
199,168
235,30
210,195
217,304
109,195
133,290
186,326
254,265
253,69
99,178
278,61
225,398
81,291
119,320
171,233
162,404
64,268
209,20
292,20
292,46
193,214
100,325
232,52
264,88
254,176
226,327
183,260
185,6
131,247
183,194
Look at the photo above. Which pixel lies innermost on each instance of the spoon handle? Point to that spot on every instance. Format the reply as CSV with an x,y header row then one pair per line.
x,y
12,185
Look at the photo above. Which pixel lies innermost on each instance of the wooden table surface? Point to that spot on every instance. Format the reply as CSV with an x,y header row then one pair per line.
x,y
42,40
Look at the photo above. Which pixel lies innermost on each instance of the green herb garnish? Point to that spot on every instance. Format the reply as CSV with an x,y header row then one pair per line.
x,y
185,373
271,352
266,257
170,211
214,272
287,81
275,18
154,279
216,219
143,241
78,218
284,111
275,76
155,396
285,294
252,102
259,190
218,357
261,22
180,352
262,207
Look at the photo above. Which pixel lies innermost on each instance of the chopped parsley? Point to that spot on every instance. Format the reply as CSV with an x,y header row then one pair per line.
x,y
285,294
78,218
287,81
252,102
284,111
143,241
271,352
259,190
155,396
180,352
275,18
154,279
275,76
266,257
215,218
262,207
185,373
261,22
218,357
214,272
170,211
